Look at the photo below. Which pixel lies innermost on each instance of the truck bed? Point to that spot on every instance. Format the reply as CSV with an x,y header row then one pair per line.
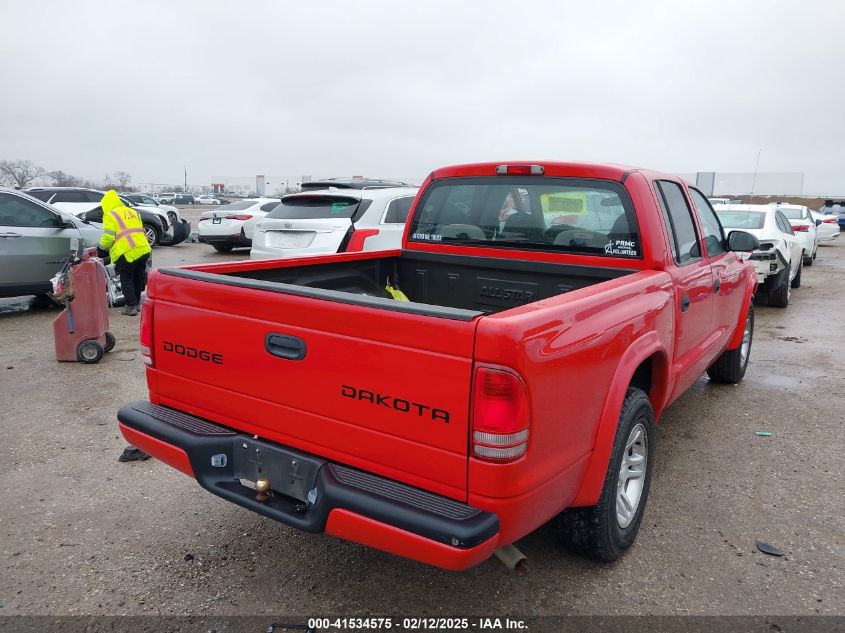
x,y
449,286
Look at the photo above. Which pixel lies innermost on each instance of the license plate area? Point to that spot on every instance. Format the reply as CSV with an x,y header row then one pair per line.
x,y
289,472
215,220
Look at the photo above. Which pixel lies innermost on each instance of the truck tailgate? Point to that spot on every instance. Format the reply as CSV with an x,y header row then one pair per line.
x,y
381,390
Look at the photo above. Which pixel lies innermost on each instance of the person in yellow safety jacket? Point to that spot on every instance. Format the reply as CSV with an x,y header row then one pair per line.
x,y
124,239
128,249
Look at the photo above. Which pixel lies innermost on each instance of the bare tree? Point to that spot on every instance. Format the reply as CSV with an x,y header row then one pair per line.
x,y
61,179
123,178
20,172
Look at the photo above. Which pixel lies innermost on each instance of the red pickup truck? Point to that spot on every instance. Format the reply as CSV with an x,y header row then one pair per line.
x,y
554,311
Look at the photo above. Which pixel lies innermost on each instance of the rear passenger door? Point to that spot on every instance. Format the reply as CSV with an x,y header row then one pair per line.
x,y
693,281
727,268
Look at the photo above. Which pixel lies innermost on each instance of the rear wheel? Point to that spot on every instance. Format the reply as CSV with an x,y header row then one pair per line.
x,y
110,342
606,530
151,232
731,365
779,295
223,248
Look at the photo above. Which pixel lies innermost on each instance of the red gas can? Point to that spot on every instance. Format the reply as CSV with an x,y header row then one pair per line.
x,y
81,331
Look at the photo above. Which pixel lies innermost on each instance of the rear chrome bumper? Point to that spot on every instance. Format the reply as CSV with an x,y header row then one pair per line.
x,y
342,501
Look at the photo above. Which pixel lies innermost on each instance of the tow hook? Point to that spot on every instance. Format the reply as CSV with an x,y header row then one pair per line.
x,y
513,559
262,487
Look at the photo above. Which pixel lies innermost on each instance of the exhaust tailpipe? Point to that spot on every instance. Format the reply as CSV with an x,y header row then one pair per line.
x,y
513,559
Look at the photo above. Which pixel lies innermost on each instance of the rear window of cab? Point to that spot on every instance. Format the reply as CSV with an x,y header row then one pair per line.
x,y
592,217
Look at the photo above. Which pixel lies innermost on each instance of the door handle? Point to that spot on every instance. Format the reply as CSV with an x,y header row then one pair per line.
x,y
716,286
284,346
10,235
684,303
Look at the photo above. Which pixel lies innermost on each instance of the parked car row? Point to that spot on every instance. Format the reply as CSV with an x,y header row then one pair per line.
x,y
35,241
329,216
789,238
163,224
37,227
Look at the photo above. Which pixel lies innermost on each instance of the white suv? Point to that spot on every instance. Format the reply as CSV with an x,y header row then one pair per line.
x,y
334,221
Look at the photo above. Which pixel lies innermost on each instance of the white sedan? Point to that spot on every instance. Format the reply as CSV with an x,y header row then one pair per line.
x,y
231,225
778,260
805,229
334,221
206,199
828,226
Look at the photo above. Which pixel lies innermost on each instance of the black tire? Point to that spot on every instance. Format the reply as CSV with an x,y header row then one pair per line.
x,y
110,342
730,366
152,233
223,248
89,352
595,531
779,295
45,301
796,282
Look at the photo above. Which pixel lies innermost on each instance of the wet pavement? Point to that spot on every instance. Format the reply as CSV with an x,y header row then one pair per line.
x,y
81,533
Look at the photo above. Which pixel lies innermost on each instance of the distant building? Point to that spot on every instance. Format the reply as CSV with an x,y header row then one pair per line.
x,y
259,185
718,183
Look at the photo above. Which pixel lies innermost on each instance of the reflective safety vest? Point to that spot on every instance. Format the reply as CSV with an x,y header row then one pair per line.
x,y
123,230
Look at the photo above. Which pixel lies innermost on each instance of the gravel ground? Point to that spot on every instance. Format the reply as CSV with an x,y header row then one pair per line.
x,y
81,533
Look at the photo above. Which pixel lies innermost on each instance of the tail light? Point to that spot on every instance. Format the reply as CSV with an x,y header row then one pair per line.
x,y
830,221
203,219
801,227
147,332
499,416
243,216
356,242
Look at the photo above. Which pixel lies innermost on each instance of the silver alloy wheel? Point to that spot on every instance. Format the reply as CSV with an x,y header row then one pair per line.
x,y
150,234
745,348
629,488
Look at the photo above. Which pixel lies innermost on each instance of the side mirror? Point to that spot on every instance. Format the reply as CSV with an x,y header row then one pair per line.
x,y
818,222
742,242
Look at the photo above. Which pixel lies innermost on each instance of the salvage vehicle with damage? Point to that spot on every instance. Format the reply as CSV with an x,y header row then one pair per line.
x,y
440,401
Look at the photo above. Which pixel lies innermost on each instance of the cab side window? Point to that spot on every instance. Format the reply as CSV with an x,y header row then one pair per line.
x,y
714,236
678,218
15,211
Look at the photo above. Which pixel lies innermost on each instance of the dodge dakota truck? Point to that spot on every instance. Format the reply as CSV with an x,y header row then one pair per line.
x,y
553,312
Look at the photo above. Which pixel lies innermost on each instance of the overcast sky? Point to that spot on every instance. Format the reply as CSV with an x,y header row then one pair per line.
x,y
399,88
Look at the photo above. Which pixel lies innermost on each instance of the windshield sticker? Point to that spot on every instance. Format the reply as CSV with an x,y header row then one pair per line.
x,y
428,237
621,247
337,207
